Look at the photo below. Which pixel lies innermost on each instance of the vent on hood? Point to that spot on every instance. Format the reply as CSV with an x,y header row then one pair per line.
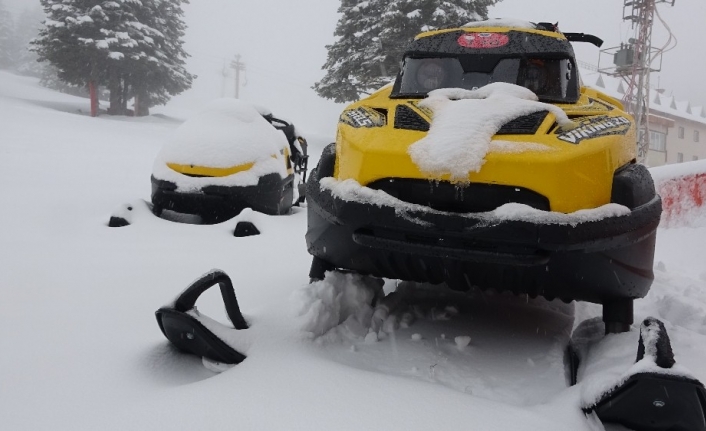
x,y
525,125
407,118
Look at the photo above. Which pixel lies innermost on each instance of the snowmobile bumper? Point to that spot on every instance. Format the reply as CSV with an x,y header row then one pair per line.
x,y
600,261
272,195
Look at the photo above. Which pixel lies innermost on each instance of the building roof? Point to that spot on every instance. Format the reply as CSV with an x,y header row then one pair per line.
x,y
660,103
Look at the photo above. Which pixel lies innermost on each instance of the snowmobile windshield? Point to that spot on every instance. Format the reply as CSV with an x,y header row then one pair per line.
x,y
552,80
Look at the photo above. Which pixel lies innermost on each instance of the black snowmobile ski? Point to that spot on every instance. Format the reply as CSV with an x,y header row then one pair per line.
x,y
653,395
180,323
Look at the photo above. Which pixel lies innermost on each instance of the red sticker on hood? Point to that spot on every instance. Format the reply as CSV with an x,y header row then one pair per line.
x,y
483,40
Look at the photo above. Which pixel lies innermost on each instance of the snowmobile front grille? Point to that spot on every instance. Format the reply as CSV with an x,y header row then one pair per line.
x,y
406,118
449,197
525,125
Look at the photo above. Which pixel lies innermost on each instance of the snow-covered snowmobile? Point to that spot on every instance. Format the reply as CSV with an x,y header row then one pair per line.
x,y
478,185
231,156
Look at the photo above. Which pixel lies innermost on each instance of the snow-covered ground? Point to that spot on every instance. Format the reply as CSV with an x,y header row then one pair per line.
x,y
80,348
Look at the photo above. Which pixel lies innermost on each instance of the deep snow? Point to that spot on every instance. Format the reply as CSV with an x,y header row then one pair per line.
x,y
81,349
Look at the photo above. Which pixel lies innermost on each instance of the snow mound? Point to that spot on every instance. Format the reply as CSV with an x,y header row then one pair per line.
x,y
502,22
341,304
227,133
464,123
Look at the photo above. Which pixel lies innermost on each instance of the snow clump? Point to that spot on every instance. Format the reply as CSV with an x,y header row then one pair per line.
x,y
464,123
339,305
502,22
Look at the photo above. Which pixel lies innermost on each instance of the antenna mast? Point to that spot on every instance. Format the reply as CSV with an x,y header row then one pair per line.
x,y
633,61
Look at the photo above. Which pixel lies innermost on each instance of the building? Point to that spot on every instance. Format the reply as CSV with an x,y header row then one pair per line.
x,y
677,129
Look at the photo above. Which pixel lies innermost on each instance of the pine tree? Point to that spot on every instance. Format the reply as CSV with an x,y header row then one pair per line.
x,y
6,34
159,73
353,65
132,46
372,36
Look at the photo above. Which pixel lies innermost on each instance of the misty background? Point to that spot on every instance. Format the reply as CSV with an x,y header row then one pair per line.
x,y
283,46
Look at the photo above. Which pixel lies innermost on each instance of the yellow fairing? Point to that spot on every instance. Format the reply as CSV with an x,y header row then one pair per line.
x,y
203,171
573,176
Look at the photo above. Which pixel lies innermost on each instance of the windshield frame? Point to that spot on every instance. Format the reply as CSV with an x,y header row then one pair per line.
x,y
496,67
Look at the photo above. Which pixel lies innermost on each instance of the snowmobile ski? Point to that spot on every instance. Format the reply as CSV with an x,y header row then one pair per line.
x,y
653,395
183,326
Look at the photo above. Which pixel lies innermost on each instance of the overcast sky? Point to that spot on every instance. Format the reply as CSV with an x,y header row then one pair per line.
x,y
282,43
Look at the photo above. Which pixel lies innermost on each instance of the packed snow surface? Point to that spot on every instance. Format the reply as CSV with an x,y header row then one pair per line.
x,y
464,123
228,133
82,349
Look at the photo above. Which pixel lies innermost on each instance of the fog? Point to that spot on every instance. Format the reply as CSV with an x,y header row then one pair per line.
x,y
282,44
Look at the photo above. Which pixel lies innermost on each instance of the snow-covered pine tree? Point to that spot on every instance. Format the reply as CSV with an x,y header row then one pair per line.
x,y
372,35
124,44
159,73
77,40
6,37
354,62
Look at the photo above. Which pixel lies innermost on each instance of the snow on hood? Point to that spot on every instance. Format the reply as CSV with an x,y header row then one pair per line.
x,y
351,191
464,123
229,132
502,22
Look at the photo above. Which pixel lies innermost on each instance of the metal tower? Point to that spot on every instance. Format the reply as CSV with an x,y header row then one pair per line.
x,y
634,61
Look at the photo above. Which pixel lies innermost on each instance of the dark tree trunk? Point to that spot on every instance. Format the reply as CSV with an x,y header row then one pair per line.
x,y
116,93
125,96
93,91
142,108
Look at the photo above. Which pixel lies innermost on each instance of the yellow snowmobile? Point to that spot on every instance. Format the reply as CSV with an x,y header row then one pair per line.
x,y
231,156
541,197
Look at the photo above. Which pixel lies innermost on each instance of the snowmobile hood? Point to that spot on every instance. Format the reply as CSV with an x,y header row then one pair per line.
x,y
226,134
229,142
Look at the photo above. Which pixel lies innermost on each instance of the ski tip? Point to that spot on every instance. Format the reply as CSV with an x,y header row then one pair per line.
x,y
655,344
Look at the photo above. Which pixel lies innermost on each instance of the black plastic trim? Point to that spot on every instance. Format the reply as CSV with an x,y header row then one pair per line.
x,y
525,125
272,195
406,118
468,198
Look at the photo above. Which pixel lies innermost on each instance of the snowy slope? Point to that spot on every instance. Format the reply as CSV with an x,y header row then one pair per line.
x,y
81,349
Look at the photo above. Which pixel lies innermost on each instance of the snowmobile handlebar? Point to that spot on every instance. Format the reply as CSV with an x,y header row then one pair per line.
x,y
188,297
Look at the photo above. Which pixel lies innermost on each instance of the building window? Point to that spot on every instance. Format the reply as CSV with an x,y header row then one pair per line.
x,y
680,157
696,136
658,141
681,132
